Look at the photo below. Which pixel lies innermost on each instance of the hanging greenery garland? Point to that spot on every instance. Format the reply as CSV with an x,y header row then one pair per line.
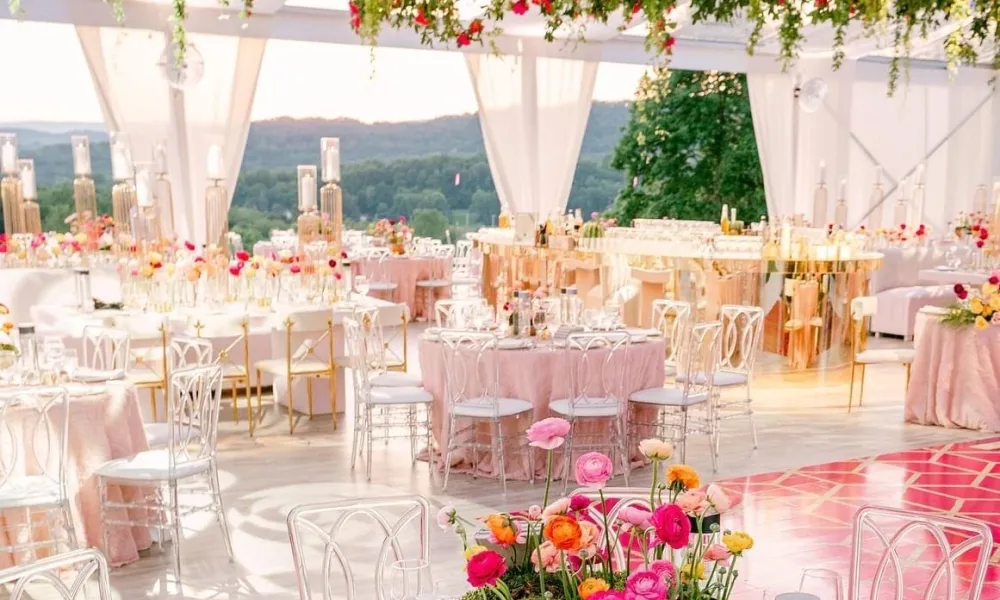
x,y
973,26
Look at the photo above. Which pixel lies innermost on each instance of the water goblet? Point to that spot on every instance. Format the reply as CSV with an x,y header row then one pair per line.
x,y
411,580
361,285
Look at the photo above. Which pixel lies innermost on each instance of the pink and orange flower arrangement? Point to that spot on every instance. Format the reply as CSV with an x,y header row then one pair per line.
x,y
976,306
664,544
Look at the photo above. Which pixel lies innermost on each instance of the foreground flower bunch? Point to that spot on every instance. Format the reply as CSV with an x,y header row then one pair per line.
x,y
979,307
664,546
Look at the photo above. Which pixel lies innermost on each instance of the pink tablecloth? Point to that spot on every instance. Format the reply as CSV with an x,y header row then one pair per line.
x,y
405,272
539,375
103,426
955,379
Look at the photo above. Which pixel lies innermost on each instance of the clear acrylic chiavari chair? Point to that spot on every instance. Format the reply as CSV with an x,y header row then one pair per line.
x,y
742,329
597,364
456,313
673,403
184,352
398,529
672,318
105,353
386,366
39,578
472,391
34,438
147,360
188,461
382,411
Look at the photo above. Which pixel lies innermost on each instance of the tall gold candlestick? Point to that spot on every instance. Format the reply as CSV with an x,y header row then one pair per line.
x,y
332,213
216,214
29,189
147,225
309,227
123,202
84,200
165,202
13,204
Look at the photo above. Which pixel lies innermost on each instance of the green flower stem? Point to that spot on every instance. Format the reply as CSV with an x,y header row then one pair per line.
x,y
607,536
548,479
652,486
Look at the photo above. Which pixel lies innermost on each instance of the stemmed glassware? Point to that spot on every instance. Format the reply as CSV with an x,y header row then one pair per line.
x,y
411,580
361,285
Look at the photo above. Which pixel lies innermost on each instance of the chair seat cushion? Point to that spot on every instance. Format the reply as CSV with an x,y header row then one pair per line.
x,y
721,379
667,397
88,375
396,379
279,366
464,281
150,465
481,408
231,371
434,283
31,490
886,355
382,286
594,407
144,377
158,434
400,395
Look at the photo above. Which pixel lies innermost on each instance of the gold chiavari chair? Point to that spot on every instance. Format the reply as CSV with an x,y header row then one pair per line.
x,y
148,355
303,362
234,329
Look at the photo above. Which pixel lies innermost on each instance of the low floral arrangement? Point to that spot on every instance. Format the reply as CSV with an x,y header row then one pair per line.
x,y
979,307
391,231
6,342
969,224
667,545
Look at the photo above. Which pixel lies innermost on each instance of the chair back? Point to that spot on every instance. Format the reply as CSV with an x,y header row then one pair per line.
x,y
314,326
356,346
741,337
597,366
672,318
186,352
35,433
945,557
105,348
701,359
456,313
48,574
193,414
472,369
147,343
862,310
226,326
311,523
382,327
462,258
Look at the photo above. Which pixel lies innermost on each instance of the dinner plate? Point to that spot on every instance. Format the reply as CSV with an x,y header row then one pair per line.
x,y
944,268
514,343
88,375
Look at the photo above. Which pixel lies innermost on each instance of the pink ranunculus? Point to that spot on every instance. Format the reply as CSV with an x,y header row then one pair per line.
x,y
579,502
547,556
636,516
692,502
718,498
243,255
590,535
534,512
593,470
485,568
190,246
559,507
671,525
548,434
717,553
608,595
446,517
665,569
645,585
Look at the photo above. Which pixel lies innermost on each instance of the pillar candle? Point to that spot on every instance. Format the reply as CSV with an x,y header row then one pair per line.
x,y
307,193
28,185
143,191
214,162
822,172
8,158
843,189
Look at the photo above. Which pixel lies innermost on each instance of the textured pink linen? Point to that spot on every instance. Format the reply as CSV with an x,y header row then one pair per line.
x,y
955,378
539,375
103,427
405,272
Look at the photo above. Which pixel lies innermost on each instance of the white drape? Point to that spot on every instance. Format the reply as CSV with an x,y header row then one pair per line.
x,y
533,112
136,100
771,106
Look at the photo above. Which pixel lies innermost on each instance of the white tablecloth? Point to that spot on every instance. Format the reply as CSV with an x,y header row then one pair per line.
x,y
267,340
946,277
20,289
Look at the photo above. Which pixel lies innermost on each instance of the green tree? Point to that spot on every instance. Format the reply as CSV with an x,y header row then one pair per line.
x,y
689,148
429,222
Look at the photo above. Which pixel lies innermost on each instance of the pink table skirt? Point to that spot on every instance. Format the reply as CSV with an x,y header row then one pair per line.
x,y
539,375
405,272
955,380
103,426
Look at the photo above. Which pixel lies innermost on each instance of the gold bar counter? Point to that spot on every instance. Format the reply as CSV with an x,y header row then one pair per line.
x,y
807,303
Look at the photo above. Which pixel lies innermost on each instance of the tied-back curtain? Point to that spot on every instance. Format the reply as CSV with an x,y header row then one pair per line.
x,y
533,112
136,100
772,103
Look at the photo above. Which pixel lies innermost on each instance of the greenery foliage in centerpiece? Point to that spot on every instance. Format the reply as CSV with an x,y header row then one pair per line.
x,y
979,307
666,544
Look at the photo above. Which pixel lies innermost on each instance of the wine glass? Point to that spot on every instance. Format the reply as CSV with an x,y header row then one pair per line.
x,y
361,285
823,583
411,580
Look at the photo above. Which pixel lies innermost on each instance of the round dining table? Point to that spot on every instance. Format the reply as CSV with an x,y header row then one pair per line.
x,y
539,374
405,271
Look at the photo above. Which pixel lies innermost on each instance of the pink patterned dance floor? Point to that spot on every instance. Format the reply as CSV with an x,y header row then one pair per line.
x,y
803,518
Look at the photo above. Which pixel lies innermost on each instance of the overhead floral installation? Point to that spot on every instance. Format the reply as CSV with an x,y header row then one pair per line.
x,y
973,27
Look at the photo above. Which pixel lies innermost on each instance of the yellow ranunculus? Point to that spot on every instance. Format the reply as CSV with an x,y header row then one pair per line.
x,y
170,268
976,306
146,271
472,551
154,257
737,542
981,323
699,571
995,302
989,289
590,586
81,237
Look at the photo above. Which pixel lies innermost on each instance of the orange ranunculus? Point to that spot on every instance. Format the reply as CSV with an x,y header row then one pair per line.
x,y
564,533
8,327
684,475
589,587
502,529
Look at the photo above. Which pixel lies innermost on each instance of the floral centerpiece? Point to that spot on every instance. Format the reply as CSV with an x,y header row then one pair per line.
x,y
393,233
666,544
979,307
8,349
968,225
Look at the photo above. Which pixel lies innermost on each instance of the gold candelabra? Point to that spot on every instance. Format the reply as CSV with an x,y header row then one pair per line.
x,y
32,222
32,217
332,212
165,200
216,214
84,200
123,202
13,204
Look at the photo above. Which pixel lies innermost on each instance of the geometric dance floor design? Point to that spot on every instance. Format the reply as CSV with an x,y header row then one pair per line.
x,y
803,518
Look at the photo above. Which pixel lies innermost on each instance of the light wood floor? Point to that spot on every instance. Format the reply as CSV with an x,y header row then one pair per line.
x,y
801,420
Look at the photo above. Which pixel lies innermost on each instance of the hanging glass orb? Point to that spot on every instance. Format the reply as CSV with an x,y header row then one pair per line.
x,y
185,75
